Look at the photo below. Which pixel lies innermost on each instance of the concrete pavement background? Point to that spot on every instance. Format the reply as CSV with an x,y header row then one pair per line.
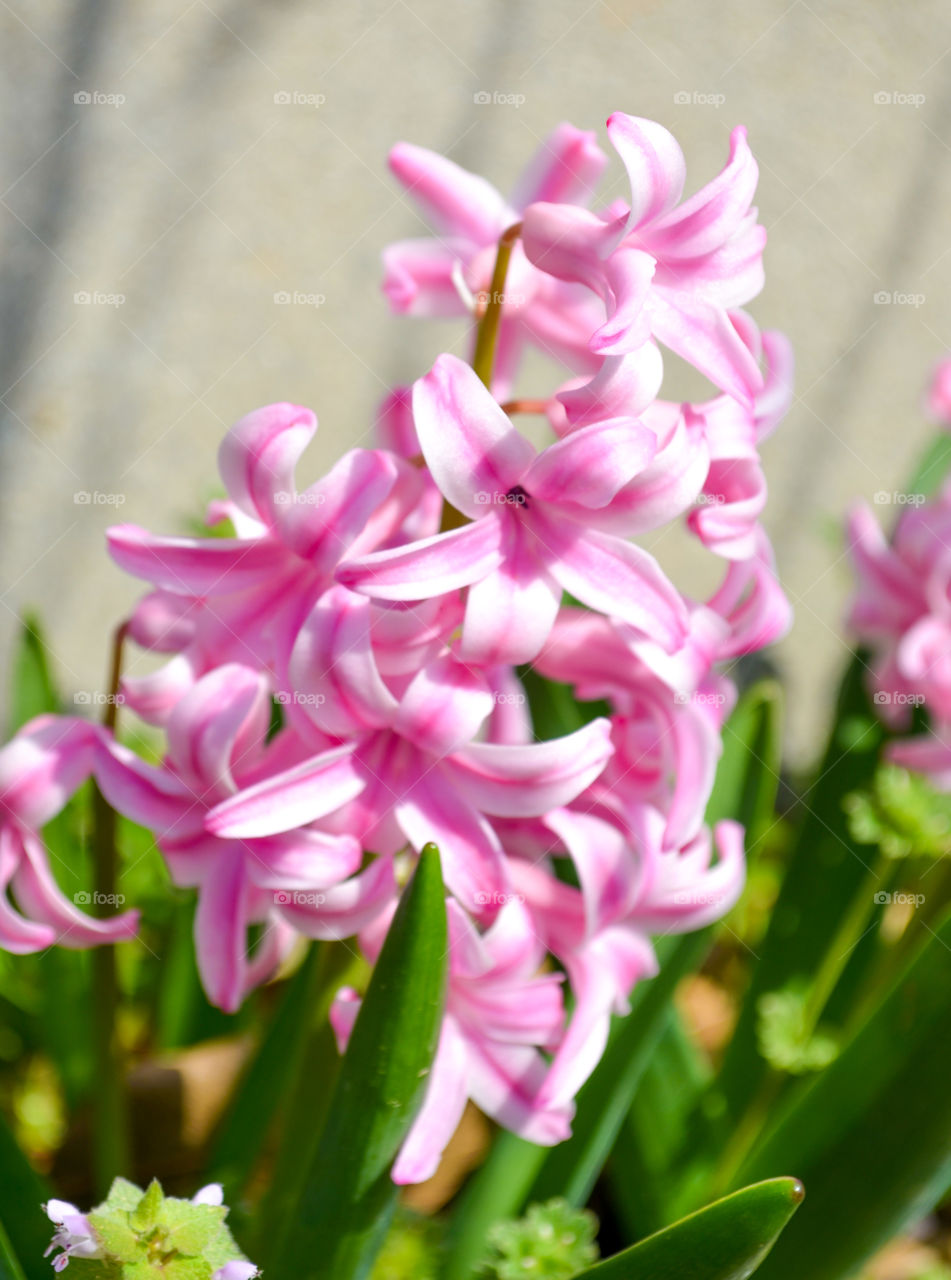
x,y
198,196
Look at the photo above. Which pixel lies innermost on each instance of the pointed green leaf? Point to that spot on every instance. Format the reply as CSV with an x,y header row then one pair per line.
x,y
146,1213
933,467
871,1135
349,1197
726,1241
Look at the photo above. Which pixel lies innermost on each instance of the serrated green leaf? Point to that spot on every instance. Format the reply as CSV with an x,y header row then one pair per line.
x,y
786,1040
115,1236
187,1269
146,1213
191,1227
728,1240
903,814
870,1135
123,1194
349,1197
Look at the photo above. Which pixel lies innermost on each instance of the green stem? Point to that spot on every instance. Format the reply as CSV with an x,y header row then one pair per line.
x,y
850,931
111,1145
487,337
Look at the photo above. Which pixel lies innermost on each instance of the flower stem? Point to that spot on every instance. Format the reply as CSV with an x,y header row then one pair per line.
x,y
111,1146
487,337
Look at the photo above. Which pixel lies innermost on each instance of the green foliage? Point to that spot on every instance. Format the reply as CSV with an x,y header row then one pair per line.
x,y
552,1242
727,1240
903,814
143,1234
786,1038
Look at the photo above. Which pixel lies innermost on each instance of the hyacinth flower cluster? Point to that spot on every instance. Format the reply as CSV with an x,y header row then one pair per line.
x,y
902,612
341,681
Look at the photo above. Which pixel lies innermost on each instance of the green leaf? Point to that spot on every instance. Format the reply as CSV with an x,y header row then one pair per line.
x,y
933,467
903,814
266,1082
24,1194
726,1241
786,1040
191,1227
32,691
748,772
496,1192
349,1197
826,870
116,1237
871,1135
123,1194
10,1268
146,1213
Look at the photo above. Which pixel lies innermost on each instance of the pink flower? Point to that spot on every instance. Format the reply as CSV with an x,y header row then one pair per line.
x,y
938,399
407,767
902,611
304,880
500,1011
241,599
73,1234
40,769
664,268
445,275
535,528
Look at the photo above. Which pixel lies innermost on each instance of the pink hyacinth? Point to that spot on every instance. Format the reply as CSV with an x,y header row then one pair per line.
x,y
40,770
902,611
341,684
